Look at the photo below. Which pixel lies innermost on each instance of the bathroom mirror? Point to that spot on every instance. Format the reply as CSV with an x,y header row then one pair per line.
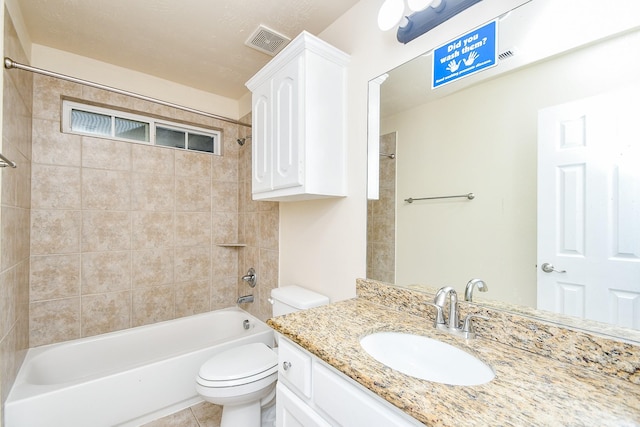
x,y
479,135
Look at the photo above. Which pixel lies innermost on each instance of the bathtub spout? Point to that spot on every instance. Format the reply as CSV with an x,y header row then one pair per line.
x,y
244,299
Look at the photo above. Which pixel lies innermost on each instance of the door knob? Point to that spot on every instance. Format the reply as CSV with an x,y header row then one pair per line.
x,y
549,268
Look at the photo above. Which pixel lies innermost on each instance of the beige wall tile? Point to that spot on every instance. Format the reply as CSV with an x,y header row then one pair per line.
x,y
106,272
151,305
100,153
193,164
10,180
153,192
9,226
269,230
8,300
224,292
152,267
192,297
225,261
105,313
106,189
47,91
193,229
50,146
54,321
54,277
251,229
152,230
106,231
193,194
225,227
55,187
224,196
17,116
150,159
245,202
55,232
224,168
193,263
107,97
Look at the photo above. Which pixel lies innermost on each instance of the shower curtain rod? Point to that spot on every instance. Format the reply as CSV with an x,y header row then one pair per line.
x,y
10,63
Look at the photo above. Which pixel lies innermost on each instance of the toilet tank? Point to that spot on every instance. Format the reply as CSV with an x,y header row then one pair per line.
x,y
287,299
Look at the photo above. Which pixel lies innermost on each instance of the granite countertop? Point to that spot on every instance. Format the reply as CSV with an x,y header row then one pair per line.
x,y
528,390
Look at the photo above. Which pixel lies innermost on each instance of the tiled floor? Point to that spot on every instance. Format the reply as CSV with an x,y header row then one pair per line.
x,y
201,415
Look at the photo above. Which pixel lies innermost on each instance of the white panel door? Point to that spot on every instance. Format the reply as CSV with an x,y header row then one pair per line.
x,y
589,208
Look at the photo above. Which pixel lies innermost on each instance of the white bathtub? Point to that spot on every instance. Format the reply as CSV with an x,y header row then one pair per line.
x,y
124,378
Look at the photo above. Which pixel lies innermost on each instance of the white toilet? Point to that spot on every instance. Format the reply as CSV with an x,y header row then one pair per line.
x,y
243,379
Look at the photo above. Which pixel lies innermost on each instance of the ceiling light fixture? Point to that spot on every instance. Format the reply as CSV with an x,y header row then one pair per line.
x,y
392,11
424,15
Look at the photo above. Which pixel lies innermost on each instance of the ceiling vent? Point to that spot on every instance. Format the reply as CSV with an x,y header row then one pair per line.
x,y
509,53
267,41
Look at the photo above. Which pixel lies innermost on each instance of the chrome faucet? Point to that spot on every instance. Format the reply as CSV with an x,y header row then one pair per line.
x,y
453,322
440,299
468,292
245,299
250,277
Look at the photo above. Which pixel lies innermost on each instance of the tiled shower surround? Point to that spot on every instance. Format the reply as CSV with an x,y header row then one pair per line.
x,y
381,217
127,234
100,235
14,214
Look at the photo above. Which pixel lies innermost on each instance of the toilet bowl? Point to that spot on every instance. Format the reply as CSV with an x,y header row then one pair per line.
x,y
242,380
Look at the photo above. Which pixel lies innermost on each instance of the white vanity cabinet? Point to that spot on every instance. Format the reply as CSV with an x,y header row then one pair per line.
x,y
310,393
298,123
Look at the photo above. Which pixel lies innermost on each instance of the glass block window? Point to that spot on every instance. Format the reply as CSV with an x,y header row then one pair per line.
x,y
85,119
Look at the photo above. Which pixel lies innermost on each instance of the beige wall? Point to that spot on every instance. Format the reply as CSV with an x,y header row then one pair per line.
x,y
323,243
14,215
133,81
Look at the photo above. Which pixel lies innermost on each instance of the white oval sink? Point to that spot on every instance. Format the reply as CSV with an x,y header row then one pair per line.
x,y
426,358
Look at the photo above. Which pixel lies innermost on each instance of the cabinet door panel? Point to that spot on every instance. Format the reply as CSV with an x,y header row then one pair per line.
x,y
298,367
293,412
261,140
287,170
350,406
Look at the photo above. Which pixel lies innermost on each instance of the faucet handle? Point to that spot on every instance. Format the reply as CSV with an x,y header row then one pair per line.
x,y
467,328
439,313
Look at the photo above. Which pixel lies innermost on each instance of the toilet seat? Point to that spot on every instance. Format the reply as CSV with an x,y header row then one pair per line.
x,y
239,365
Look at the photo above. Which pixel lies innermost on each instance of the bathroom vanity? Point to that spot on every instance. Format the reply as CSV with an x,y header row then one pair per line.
x,y
544,374
312,393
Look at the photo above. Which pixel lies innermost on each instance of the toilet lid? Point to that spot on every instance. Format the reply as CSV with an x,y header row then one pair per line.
x,y
239,362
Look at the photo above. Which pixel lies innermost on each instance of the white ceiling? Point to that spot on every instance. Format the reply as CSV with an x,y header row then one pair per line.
x,y
197,43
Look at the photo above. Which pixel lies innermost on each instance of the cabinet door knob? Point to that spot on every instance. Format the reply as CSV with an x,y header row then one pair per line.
x,y
286,365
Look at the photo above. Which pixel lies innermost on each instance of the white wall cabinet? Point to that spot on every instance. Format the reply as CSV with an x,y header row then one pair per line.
x,y
299,123
311,393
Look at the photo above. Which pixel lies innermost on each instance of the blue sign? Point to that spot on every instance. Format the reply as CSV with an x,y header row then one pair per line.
x,y
468,54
